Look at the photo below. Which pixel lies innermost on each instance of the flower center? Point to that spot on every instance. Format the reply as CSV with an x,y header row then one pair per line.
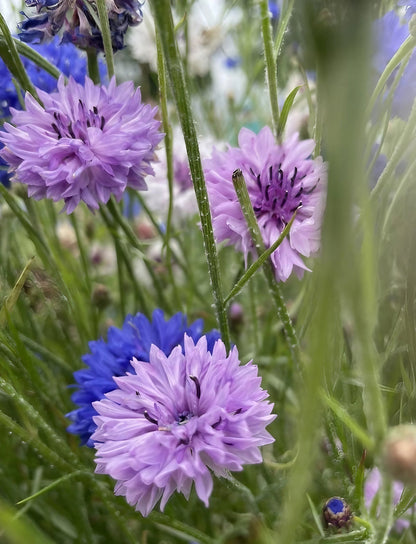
x,y
65,127
279,194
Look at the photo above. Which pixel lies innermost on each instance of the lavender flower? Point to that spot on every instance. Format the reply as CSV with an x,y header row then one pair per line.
x,y
85,144
75,19
390,32
371,487
178,418
280,180
112,358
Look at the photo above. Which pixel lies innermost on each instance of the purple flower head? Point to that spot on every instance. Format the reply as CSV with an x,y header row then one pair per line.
x,y
112,358
280,180
389,33
77,21
85,144
177,419
371,487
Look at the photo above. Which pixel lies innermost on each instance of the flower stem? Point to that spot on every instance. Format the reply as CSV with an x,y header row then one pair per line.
x,y
106,35
93,70
163,17
271,65
161,70
248,212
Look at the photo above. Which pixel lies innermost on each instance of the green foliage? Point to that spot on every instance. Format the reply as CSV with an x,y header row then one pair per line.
x,y
64,281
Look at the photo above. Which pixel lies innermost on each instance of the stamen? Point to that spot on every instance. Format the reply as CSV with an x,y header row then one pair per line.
x,y
299,192
252,172
258,181
267,190
71,132
95,110
296,207
102,123
215,425
270,173
284,199
56,129
149,418
292,179
197,385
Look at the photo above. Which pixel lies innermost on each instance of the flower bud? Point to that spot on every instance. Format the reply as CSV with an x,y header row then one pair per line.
x,y
399,454
101,297
337,513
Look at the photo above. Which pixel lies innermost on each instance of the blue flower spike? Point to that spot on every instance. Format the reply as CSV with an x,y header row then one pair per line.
x,y
337,513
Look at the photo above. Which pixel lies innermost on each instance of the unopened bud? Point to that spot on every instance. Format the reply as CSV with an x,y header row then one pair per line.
x,y
101,297
399,454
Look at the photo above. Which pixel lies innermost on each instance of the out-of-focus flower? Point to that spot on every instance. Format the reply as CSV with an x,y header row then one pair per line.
x,y
113,358
157,195
274,9
207,24
371,487
85,144
410,6
281,179
390,32
176,419
77,21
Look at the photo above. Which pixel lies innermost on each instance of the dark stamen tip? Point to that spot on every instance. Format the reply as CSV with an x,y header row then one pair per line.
x,y
149,418
197,385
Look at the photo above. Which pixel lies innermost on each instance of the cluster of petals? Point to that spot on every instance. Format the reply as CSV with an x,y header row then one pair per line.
x,y
76,20
281,180
84,143
177,419
112,358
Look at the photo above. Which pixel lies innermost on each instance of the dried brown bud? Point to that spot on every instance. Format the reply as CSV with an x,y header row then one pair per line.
x,y
399,454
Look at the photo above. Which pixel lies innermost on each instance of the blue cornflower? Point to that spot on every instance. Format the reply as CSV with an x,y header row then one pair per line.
x,y
274,10
4,175
112,358
77,21
66,57
390,33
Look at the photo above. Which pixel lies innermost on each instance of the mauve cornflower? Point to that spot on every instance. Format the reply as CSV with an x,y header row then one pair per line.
x,y
176,419
112,358
77,21
371,488
85,143
280,180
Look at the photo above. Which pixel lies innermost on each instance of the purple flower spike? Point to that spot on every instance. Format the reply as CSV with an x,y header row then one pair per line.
x,y
179,418
280,180
85,144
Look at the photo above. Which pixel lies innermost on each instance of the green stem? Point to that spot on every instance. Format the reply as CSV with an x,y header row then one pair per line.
x,y
283,22
271,65
385,519
397,155
248,212
406,48
163,17
161,70
12,60
259,262
106,35
93,69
